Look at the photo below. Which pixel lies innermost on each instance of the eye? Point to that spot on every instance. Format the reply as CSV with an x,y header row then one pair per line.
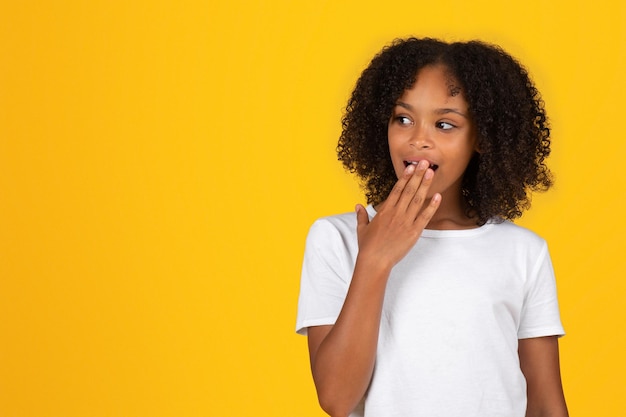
x,y
444,125
403,120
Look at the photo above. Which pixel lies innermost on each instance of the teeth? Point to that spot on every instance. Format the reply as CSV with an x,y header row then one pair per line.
x,y
431,166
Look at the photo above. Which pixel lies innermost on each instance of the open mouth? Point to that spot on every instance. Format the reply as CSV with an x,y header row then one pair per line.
x,y
431,166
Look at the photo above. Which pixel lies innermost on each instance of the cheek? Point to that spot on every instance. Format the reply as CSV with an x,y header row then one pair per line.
x,y
394,142
397,163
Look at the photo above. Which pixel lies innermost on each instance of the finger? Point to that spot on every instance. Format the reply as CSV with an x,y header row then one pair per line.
x,y
429,211
415,189
398,188
362,218
421,195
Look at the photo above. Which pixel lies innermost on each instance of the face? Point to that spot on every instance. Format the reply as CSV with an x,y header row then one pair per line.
x,y
431,121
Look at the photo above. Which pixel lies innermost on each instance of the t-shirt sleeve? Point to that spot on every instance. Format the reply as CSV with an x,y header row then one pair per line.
x,y
326,274
540,312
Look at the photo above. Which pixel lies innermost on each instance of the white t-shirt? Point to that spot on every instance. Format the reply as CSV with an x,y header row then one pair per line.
x,y
453,312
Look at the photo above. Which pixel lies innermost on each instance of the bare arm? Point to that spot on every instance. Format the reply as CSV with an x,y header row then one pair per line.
x,y
539,360
342,356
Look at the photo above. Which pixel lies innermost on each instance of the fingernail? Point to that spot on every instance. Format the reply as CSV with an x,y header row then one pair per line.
x,y
423,164
428,174
410,168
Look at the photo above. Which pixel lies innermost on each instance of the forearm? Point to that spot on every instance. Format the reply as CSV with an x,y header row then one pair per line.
x,y
539,360
559,412
344,361
554,406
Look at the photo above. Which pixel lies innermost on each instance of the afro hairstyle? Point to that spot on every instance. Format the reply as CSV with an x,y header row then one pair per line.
x,y
513,134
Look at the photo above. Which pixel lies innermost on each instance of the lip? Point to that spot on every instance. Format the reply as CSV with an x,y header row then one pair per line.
x,y
431,164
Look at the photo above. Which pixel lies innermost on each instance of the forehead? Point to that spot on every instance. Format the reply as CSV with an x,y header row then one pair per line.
x,y
437,81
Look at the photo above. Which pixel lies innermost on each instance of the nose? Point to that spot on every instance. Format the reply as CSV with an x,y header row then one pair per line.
x,y
421,137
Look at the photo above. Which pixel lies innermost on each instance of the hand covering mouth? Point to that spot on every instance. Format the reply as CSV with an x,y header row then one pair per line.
x,y
431,165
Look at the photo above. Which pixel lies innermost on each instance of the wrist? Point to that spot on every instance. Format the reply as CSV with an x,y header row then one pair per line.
x,y
373,266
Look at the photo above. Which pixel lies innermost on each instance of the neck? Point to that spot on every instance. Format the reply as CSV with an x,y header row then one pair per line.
x,y
452,215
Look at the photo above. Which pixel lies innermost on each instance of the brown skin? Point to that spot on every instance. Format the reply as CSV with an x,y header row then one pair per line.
x,y
429,123
343,355
539,360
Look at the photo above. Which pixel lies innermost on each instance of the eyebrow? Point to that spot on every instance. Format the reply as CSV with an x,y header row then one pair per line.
x,y
437,111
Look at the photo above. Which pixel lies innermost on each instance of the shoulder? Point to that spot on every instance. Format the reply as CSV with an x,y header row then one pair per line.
x,y
343,225
514,233
333,232
337,222
331,248
518,241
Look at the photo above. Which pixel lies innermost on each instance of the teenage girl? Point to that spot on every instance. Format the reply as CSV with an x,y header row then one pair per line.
x,y
429,301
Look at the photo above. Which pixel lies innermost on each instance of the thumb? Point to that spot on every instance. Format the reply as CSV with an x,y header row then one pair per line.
x,y
362,219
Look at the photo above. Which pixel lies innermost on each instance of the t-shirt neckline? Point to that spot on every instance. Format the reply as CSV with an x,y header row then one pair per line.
x,y
432,233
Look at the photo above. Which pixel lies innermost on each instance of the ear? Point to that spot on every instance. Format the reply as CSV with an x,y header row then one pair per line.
x,y
477,144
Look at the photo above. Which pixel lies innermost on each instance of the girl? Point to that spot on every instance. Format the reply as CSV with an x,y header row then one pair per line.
x,y
430,302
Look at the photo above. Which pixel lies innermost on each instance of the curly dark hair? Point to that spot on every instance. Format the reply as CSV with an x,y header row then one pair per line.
x,y
513,133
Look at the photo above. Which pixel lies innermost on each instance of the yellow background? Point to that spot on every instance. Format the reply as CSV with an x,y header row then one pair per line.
x,y
161,162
